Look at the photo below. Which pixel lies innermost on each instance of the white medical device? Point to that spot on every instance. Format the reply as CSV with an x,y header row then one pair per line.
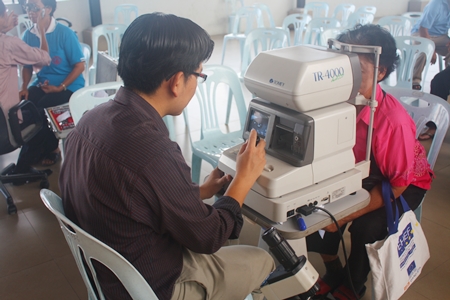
x,y
301,111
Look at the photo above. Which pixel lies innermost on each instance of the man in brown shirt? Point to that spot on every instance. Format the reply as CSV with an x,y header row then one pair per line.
x,y
125,182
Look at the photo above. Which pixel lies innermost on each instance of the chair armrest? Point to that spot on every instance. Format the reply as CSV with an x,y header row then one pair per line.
x,y
69,24
14,123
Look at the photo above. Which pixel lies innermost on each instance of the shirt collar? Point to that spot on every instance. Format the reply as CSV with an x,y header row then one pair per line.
x,y
50,28
364,115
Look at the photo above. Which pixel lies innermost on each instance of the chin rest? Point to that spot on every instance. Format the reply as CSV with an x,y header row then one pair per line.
x,y
12,136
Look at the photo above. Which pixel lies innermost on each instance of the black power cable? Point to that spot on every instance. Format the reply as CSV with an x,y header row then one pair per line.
x,y
343,248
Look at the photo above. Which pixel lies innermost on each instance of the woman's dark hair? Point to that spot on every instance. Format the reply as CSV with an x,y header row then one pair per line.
x,y
374,35
2,8
51,4
156,46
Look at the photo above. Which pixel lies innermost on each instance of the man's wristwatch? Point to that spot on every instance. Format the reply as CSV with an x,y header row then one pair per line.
x,y
64,86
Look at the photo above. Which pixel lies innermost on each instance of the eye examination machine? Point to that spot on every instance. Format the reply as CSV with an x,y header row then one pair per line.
x,y
302,107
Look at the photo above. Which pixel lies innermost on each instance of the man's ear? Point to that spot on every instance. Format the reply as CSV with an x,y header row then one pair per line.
x,y
176,83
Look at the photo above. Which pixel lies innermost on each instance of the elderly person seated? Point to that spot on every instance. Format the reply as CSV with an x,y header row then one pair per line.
x,y
396,156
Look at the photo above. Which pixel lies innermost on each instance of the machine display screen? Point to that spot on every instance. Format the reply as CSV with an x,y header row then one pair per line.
x,y
258,121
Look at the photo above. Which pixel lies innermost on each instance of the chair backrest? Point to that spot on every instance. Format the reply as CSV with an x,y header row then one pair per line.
x,y
316,27
414,17
397,25
129,12
409,49
367,9
23,23
221,80
317,9
12,136
86,49
299,23
423,108
265,14
358,17
234,5
113,34
90,96
86,249
262,39
330,33
343,11
248,17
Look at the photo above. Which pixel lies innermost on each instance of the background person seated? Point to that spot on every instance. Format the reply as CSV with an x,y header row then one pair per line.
x,y
54,83
396,156
14,51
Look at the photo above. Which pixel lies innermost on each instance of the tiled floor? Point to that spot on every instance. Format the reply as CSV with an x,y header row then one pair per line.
x,y
36,263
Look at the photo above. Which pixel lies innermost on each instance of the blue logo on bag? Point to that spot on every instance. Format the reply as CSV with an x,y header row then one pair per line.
x,y
406,245
404,239
411,268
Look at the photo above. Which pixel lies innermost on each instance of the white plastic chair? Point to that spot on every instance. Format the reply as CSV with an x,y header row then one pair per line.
x,y
253,19
90,96
424,108
330,33
86,249
342,12
129,12
265,11
397,25
113,34
23,23
317,9
409,48
367,9
86,49
362,18
213,141
316,27
299,23
262,39
414,17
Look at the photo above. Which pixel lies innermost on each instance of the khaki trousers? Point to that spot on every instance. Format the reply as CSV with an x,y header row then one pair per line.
x,y
440,43
231,273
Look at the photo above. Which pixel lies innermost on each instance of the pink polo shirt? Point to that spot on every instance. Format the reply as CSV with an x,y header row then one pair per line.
x,y
13,52
400,157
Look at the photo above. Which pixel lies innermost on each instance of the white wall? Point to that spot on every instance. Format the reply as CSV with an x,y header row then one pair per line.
x,y
77,12
212,15
384,7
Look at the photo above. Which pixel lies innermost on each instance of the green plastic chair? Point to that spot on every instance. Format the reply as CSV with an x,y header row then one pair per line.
x,y
299,23
213,140
317,9
316,27
113,34
397,25
342,12
86,249
129,12
410,48
424,108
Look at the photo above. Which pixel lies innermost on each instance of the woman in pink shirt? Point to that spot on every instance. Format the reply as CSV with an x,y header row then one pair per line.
x,y
396,156
13,52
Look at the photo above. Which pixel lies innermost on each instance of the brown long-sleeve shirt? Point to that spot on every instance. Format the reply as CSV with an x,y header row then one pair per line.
x,y
126,183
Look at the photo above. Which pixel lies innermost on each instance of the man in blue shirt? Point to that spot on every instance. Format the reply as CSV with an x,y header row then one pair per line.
x,y
433,25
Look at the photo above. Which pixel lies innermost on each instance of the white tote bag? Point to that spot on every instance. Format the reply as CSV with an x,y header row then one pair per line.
x,y
399,259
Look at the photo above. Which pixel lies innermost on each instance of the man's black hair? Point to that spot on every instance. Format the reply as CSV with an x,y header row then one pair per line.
x,y
374,35
51,4
156,46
